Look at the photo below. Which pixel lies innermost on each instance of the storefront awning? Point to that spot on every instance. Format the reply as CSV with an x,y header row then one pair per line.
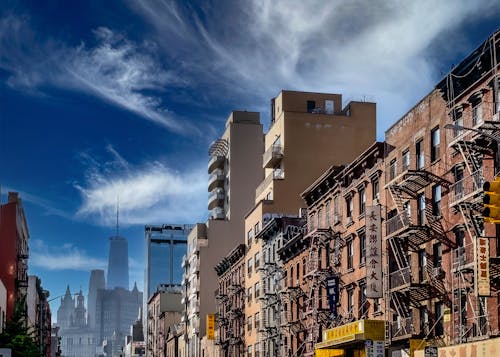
x,y
360,330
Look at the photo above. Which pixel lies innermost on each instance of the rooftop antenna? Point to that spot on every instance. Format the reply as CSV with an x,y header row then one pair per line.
x,y
117,215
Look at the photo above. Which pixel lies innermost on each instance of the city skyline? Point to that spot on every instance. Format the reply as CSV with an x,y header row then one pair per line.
x,y
84,139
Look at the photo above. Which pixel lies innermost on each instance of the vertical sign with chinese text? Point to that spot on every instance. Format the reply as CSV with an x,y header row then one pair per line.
x,y
210,326
483,266
333,293
373,252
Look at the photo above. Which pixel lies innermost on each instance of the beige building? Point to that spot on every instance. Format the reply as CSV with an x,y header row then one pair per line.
x,y
164,310
308,133
235,168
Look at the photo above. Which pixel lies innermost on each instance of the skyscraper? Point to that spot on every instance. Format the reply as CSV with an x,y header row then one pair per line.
x,y
118,263
96,282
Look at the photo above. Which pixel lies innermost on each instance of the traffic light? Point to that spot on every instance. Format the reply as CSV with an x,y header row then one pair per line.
x,y
491,201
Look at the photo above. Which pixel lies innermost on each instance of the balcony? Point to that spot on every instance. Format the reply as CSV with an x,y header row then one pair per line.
x,y
463,258
218,213
466,188
400,278
216,162
184,261
403,328
216,179
397,223
272,156
277,174
216,198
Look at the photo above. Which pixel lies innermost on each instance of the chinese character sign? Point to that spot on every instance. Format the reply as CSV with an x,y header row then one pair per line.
x,y
333,293
210,326
373,253
483,266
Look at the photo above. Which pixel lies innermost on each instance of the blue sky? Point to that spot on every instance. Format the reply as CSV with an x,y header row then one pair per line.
x,y
100,99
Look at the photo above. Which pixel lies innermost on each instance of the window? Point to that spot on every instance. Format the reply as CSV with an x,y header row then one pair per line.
x,y
419,150
458,121
375,188
256,288
249,237
291,284
406,160
477,113
422,262
363,302
362,247
350,254
249,326
256,259
311,222
436,200
327,215
336,211
376,305
311,105
297,271
424,319
421,209
303,266
362,200
437,254
460,238
349,208
256,349
256,320
435,144
438,316
256,228
350,302
320,218
458,187
249,266
392,169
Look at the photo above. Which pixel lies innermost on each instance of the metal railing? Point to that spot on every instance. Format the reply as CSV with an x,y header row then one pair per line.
x,y
398,222
274,153
462,256
402,327
400,277
466,186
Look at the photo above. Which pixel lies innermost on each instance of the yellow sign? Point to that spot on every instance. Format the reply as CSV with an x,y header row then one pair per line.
x,y
483,266
416,345
447,315
358,330
210,326
486,348
329,353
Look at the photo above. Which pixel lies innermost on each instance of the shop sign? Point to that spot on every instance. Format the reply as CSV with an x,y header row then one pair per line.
x,y
210,326
373,252
374,348
483,266
333,293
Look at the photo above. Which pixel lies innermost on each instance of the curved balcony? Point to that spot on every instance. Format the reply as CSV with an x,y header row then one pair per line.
x,y
216,179
272,156
216,162
216,199
218,213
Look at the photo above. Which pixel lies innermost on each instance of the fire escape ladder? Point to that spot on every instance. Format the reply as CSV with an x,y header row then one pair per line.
x,y
398,196
470,156
397,248
400,306
436,278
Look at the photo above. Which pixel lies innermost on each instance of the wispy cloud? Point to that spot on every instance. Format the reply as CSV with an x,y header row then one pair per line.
x,y
150,193
126,74
382,51
65,257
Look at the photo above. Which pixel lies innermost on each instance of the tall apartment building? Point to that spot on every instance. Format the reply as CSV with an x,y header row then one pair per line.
x,y
14,237
309,132
235,168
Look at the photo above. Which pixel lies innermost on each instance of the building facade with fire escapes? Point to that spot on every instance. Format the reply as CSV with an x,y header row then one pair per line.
x,y
344,252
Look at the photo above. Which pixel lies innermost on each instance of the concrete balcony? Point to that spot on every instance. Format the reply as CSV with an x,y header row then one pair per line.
x,y
216,198
216,179
216,162
277,174
218,213
272,156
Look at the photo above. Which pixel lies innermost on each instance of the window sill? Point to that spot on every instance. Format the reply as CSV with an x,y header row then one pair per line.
x,y
348,224
377,313
361,216
349,270
362,264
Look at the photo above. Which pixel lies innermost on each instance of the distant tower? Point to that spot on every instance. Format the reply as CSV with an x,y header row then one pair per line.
x,y
80,311
118,263
96,282
66,311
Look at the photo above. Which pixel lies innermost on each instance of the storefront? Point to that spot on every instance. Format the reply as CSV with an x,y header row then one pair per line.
x,y
485,348
363,338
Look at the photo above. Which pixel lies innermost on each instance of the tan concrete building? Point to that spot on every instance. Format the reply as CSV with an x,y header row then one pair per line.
x,y
164,310
308,133
235,168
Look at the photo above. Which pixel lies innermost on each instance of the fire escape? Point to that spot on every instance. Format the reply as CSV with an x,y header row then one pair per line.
x,y
406,233
316,313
